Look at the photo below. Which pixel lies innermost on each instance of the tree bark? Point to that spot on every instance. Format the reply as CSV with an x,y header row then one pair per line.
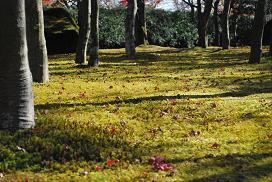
x,y
130,27
203,18
216,24
192,13
225,25
140,24
84,11
16,97
94,47
37,52
257,33
270,47
235,26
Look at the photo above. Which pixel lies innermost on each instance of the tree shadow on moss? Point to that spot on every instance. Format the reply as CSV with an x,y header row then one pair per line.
x,y
240,167
245,90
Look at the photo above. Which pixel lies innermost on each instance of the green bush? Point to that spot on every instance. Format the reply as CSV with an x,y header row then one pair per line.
x,y
112,28
167,28
164,28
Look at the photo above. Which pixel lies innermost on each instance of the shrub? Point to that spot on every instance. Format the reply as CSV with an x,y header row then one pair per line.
x,y
112,28
167,28
164,28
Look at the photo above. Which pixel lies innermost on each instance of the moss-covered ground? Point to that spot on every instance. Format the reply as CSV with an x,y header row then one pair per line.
x,y
205,111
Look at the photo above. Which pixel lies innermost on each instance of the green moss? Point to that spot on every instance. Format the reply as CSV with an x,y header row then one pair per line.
x,y
206,111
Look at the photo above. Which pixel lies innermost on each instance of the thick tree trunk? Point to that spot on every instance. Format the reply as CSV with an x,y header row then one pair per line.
x,y
225,25
203,37
216,24
94,47
16,98
140,24
257,33
37,52
130,27
84,12
203,18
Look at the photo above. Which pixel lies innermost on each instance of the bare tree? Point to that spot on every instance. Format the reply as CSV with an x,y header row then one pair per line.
x,y
94,36
270,47
84,13
257,33
203,17
216,23
130,27
140,24
188,3
225,25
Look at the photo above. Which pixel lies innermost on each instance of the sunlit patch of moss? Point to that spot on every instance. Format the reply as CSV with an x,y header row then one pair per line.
x,y
206,111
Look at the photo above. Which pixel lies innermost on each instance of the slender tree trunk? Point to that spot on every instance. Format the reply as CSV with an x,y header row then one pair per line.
x,y
16,98
216,24
84,12
203,18
94,47
192,13
140,24
257,33
270,47
130,27
235,26
225,25
37,52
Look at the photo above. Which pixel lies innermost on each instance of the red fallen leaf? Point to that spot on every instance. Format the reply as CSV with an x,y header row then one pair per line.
x,y
173,102
34,130
26,179
82,94
98,168
214,105
166,167
145,174
215,146
113,130
109,163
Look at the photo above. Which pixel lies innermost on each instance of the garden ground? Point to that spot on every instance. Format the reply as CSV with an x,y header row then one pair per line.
x,y
205,111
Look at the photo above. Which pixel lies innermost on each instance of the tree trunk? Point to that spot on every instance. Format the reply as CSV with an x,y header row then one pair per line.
x,y
94,47
130,27
37,52
235,26
257,33
216,24
203,37
84,12
225,25
192,13
140,24
203,18
270,47
16,98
